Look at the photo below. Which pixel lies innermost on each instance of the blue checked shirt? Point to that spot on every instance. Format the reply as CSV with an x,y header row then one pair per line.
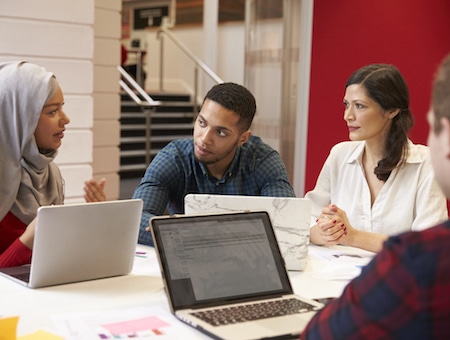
x,y
256,170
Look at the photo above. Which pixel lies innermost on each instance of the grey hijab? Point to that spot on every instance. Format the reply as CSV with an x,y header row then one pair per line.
x,y
28,176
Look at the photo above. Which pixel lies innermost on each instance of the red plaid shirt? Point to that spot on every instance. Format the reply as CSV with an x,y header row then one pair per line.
x,y
403,293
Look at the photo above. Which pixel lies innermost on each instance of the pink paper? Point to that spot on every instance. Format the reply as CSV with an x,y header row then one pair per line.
x,y
136,325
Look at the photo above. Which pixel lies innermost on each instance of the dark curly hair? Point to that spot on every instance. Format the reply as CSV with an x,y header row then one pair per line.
x,y
385,85
236,98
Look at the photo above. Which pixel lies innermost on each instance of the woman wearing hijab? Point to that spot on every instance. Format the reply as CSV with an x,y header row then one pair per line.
x,y
32,123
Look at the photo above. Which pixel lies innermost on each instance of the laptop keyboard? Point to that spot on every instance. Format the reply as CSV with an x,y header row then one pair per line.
x,y
25,277
262,310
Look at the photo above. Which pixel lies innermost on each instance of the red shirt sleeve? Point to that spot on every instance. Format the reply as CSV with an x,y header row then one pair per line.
x,y
12,251
16,254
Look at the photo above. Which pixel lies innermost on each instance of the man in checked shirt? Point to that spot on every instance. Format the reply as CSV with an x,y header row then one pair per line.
x,y
222,158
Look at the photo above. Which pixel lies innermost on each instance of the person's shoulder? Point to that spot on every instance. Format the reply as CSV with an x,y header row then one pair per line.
x,y
178,145
256,140
177,151
417,153
181,142
439,233
412,260
419,245
256,144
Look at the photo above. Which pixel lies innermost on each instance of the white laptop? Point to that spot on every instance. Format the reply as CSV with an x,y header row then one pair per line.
x,y
81,242
291,217
225,276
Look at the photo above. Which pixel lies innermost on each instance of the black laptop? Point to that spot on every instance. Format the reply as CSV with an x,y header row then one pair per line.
x,y
225,276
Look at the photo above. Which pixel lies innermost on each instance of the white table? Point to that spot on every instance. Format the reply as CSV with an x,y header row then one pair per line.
x,y
143,287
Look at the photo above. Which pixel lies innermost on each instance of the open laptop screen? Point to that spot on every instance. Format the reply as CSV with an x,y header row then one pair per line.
x,y
211,258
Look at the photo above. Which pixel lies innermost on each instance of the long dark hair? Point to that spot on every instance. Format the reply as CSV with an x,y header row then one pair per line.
x,y
385,85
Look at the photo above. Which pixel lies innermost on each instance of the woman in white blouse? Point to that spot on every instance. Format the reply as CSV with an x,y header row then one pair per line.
x,y
379,183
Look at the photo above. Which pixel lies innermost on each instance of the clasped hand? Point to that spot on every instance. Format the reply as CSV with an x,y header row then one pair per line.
x,y
333,225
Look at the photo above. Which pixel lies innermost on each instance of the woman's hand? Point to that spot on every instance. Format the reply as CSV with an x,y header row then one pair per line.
x,y
329,230
332,227
351,236
94,191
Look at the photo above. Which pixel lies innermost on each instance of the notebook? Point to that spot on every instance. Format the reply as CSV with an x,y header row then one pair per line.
x,y
290,217
228,262
81,242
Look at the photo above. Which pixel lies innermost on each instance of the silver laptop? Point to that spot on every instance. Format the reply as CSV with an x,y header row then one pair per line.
x,y
81,242
225,276
290,217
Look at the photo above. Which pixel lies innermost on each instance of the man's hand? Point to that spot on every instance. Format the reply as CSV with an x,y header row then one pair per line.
x,y
94,191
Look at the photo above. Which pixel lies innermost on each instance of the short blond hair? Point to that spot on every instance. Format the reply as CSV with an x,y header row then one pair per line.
x,y
440,101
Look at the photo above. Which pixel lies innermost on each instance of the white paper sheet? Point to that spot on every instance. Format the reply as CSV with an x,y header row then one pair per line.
x,y
132,323
341,263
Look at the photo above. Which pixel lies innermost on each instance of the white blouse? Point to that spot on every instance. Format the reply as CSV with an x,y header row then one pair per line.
x,y
410,199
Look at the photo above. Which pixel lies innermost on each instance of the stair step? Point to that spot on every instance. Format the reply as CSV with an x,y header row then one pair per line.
x,y
133,167
170,97
167,114
173,119
161,109
156,121
130,103
137,153
142,139
166,97
157,126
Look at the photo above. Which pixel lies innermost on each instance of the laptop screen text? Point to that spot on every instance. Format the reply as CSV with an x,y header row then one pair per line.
x,y
220,257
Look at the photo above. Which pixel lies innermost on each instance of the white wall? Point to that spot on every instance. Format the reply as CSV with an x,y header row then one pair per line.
x,y
59,35
106,127
179,69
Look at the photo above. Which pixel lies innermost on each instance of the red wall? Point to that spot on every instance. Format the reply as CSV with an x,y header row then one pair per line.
x,y
414,35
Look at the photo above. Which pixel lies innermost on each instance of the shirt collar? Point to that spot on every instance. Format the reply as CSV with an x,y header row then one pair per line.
x,y
414,157
231,169
356,155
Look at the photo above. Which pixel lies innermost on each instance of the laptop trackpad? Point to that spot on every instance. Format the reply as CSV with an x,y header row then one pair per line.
x,y
292,324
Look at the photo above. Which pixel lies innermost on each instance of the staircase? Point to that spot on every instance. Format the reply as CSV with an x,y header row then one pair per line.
x,y
172,120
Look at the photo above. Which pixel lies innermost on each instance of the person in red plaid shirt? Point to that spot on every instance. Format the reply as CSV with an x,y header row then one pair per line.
x,y
404,292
